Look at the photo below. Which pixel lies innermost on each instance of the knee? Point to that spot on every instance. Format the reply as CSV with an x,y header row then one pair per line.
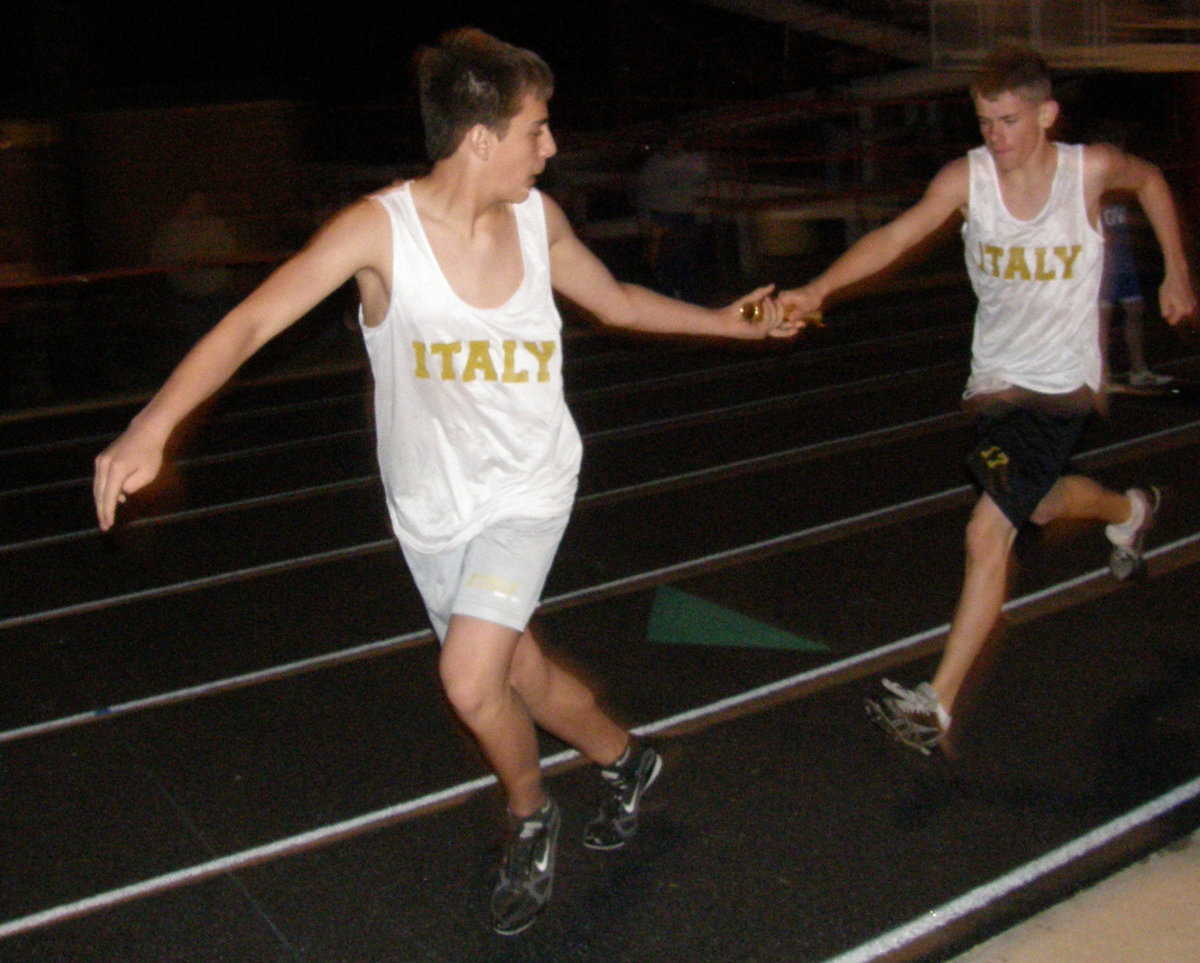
x,y
988,537
468,692
1045,513
1068,493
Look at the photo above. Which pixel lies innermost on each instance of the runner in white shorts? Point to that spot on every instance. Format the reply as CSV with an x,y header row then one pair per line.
x,y
457,271
497,576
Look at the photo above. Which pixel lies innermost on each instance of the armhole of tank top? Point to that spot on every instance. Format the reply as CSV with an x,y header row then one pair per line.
x,y
1097,229
392,216
533,236
976,181
535,212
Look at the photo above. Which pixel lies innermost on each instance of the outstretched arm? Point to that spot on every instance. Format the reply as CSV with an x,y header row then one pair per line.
x,y
345,246
1108,168
579,275
946,195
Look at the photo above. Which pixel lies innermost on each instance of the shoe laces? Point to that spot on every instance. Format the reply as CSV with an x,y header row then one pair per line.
x,y
911,700
620,786
921,701
523,845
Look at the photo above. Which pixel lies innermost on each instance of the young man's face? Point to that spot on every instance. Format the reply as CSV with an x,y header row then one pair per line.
x,y
522,152
1013,127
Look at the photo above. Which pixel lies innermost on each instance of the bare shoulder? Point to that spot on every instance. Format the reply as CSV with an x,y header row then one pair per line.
x,y
557,226
953,180
945,195
364,216
1100,160
1106,167
359,234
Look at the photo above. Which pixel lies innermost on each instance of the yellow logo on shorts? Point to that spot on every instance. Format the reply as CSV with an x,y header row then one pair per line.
x,y
996,462
994,458
497,586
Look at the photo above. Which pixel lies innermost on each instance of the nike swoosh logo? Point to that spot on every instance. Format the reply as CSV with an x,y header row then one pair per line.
x,y
542,863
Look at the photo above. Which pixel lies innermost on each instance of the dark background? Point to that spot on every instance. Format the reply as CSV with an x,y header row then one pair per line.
x,y
125,53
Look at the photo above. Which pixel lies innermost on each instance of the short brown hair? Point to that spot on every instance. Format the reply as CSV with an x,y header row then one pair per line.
x,y
1013,69
472,78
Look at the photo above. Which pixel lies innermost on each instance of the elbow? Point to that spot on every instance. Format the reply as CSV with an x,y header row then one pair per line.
x,y
620,312
608,318
1151,182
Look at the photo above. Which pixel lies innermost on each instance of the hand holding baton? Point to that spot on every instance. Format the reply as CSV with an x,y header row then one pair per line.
x,y
752,311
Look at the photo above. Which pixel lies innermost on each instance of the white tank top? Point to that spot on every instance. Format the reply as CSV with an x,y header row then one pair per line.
x,y
470,416
1038,282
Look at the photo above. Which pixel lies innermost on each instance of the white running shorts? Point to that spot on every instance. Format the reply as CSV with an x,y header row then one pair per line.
x,y
497,576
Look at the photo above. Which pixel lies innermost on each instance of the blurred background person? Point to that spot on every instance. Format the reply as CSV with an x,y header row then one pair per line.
x,y
670,186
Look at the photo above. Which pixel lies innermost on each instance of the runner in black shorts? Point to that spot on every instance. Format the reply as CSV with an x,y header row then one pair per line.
x,y
1021,453
1034,255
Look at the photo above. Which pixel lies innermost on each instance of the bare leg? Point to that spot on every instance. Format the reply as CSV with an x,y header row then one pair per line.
x,y
499,684
1135,337
1079,498
989,539
562,704
475,662
1106,316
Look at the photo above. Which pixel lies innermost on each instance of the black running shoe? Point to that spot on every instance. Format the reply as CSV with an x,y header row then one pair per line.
x,y
1127,561
617,821
527,872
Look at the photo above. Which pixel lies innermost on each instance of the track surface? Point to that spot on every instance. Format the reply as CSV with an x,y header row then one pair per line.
x,y
222,736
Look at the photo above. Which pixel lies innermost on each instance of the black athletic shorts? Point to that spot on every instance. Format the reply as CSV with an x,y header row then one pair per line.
x,y
1020,454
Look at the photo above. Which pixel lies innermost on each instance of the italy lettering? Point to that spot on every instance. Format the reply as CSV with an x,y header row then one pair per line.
x,y
1019,263
509,362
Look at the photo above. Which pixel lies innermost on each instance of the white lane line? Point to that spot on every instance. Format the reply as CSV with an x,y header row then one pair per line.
x,y
983,896
373,820
766,404
798,452
909,642
617,586
629,583
885,434
365,480
383,544
271,674
292,494
205,581
384,645
235,861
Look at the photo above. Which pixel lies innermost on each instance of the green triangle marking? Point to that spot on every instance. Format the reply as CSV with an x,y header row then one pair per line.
x,y
677,618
